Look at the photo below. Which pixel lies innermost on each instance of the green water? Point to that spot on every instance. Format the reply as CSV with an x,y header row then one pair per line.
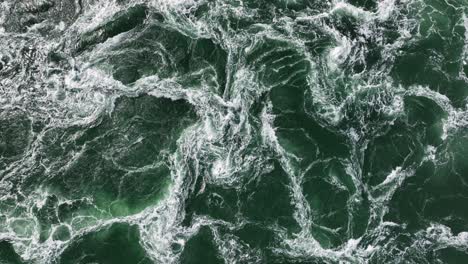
x,y
233,131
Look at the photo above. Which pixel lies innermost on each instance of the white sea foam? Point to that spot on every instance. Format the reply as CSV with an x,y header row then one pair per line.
x,y
80,94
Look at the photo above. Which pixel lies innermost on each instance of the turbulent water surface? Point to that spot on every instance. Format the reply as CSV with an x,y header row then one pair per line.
x,y
233,131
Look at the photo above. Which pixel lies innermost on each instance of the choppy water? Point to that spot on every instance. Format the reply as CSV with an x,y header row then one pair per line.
x,y
233,131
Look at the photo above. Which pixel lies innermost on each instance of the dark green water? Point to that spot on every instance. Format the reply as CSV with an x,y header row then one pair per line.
x,y
233,131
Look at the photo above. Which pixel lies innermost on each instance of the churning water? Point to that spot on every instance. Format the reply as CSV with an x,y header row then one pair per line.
x,y
233,131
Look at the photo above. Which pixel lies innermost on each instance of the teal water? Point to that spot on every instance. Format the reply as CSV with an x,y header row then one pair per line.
x,y
233,131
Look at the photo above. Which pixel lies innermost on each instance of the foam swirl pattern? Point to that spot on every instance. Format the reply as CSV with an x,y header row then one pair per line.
x,y
233,131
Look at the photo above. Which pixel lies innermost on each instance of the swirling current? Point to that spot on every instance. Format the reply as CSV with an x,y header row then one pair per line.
x,y
233,131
